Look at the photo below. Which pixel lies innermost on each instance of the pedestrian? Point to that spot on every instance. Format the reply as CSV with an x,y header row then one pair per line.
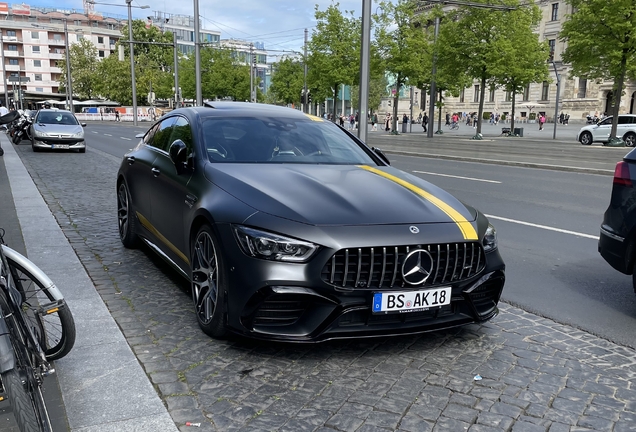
x,y
117,116
561,118
387,122
419,118
567,119
492,118
357,121
541,121
447,120
374,122
425,123
474,120
352,120
497,119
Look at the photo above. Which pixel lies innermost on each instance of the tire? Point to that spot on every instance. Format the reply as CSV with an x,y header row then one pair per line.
x,y
35,149
1,151
82,150
56,330
21,404
208,283
586,138
17,138
630,139
126,218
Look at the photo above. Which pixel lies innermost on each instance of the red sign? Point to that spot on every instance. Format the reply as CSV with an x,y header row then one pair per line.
x,y
20,9
4,8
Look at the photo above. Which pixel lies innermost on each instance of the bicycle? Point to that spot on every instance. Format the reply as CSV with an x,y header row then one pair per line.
x,y
453,126
36,327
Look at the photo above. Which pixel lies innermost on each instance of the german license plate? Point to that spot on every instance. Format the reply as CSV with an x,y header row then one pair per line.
x,y
60,146
411,301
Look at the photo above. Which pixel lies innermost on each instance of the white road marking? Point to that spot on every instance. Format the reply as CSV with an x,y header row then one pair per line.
x,y
94,132
459,177
108,134
129,139
574,233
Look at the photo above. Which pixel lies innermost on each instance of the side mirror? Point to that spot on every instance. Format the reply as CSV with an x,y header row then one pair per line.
x,y
83,124
179,155
381,154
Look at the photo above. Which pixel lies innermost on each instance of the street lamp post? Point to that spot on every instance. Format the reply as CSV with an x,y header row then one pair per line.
x,y
556,107
132,62
197,55
4,74
365,57
69,81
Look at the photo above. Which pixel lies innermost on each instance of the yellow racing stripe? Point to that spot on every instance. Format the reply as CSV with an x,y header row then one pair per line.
x,y
467,229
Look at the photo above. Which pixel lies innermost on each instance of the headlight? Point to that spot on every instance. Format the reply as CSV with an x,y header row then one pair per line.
x,y
490,239
40,134
80,134
264,245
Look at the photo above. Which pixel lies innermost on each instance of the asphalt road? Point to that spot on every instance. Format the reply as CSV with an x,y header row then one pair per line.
x,y
547,219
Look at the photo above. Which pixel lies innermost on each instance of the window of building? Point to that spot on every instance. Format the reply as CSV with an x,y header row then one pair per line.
x,y
11,33
14,74
582,88
110,26
101,53
555,11
35,35
100,39
35,49
77,22
57,37
95,24
39,89
491,96
508,96
552,45
112,42
526,93
56,21
524,114
14,62
37,63
476,97
545,91
461,96
80,37
38,77
11,47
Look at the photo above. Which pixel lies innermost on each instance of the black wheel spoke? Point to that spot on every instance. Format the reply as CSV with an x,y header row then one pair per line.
x,y
204,278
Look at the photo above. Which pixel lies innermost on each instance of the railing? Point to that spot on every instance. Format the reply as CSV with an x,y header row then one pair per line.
x,y
11,53
57,56
57,42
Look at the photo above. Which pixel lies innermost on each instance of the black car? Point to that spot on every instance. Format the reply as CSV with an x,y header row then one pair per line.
x,y
617,242
290,228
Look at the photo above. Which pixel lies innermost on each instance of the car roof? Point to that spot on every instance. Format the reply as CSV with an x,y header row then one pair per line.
x,y
53,110
228,108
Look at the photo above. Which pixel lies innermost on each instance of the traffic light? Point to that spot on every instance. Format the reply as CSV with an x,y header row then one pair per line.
x,y
308,97
254,59
302,98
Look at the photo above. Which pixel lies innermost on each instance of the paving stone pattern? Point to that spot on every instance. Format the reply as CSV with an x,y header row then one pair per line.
x,y
537,375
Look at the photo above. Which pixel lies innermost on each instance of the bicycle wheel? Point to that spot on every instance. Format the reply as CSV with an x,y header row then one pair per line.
x,y
54,327
21,404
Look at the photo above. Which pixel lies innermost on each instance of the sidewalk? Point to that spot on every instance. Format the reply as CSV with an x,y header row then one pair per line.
x,y
103,386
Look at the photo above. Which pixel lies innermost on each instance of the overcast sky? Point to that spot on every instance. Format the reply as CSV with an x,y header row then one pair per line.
x,y
253,20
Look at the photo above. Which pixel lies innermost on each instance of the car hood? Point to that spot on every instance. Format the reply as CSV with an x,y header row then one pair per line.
x,y
64,130
339,195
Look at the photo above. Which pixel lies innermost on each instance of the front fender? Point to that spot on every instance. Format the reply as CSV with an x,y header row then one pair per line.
x,y
7,357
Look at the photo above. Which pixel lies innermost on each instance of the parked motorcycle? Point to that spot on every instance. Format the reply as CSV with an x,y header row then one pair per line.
x,y
592,119
22,128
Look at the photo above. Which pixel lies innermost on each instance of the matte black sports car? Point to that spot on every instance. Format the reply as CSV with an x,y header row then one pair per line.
x,y
291,228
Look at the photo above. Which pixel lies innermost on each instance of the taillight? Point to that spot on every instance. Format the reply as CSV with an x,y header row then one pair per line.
x,y
621,174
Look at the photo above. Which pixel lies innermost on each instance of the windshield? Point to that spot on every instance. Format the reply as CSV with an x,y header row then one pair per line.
x,y
57,118
273,140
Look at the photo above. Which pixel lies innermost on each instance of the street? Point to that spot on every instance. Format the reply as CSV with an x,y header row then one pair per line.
x,y
537,375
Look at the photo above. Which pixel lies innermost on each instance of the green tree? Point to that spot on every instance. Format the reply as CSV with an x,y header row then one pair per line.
x,y
334,53
524,57
222,75
154,66
84,64
402,45
377,90
468,43
288,80
601,44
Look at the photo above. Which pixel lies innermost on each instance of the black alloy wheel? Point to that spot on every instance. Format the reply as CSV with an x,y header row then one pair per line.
x,y
630,139
586,138
126,218
207,287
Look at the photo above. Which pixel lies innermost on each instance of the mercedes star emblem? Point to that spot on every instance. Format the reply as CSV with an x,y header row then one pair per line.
x,y
417,267
414,229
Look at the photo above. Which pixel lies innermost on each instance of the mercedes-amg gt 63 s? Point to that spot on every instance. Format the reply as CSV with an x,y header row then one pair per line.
x,y
290,228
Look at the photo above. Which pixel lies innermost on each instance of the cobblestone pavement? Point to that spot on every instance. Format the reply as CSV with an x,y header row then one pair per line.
x,y
536,375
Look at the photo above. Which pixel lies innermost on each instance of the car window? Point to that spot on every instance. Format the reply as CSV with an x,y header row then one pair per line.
x,y
607,121
624,120
161,138
57,118
181,131
150,134
280,140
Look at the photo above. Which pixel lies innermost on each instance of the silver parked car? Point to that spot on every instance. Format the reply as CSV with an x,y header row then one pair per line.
x,y
600,132
57,129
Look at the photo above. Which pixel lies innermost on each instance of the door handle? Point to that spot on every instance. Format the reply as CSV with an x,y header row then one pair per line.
x,y
131,160
155,171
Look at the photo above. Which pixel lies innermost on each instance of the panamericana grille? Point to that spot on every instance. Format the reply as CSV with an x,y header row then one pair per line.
x,y
381,267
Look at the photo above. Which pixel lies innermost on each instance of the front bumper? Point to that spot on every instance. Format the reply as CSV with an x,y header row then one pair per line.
x,y
59,143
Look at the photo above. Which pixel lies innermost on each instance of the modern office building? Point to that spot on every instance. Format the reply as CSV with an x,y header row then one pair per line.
x,y
183,26
34,42
247,52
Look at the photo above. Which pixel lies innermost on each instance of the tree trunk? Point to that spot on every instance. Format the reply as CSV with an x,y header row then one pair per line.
x,y
617,95
439,113
335,102
480,113
512,116
396,99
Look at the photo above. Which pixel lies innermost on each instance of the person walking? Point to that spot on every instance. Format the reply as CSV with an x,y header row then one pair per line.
x,y
425,123
387,122
541,121
447,120
117,116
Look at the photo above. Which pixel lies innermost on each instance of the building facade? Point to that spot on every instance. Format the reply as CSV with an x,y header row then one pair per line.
x,y
578,96
183,27
34,43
